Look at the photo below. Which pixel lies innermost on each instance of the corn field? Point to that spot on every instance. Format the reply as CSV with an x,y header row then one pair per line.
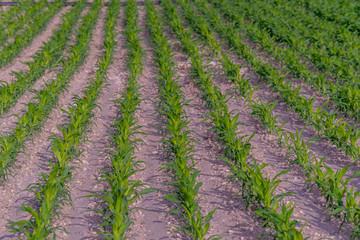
x,y
180,119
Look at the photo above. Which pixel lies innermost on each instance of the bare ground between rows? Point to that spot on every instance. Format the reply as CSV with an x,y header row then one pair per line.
x,y
151,219
231,219
38,152
17,64
10,118
307,204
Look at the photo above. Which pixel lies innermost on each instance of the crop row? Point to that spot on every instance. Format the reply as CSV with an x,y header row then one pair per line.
x,y
257,189
344,96
327,122
340,200
27,35
178,143
343,12
7,16
37,112
122,191
51,192
47,58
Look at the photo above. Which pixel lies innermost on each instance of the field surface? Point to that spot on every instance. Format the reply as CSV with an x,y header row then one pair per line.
x,y
180,119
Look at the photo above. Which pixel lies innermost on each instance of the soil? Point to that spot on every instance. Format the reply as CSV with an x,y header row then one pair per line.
x,y
10,118
78,220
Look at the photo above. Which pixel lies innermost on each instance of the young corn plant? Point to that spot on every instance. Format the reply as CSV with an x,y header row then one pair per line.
x,y
302,153
225,126
264,113
13,27
178,142
8,16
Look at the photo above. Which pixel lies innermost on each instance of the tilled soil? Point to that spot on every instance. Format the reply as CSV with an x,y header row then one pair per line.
x,y
321,147
309,206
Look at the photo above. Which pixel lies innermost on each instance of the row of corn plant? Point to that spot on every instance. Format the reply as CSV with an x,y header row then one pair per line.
x,y
52,191
341,201
17,24
8,16
322,42
47,58
258,189
37,112
177,141
122,191
27,35
327,122
344,13
344,97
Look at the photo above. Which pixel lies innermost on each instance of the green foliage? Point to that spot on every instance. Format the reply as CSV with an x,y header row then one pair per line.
x,y
327,122
37,112
264,113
